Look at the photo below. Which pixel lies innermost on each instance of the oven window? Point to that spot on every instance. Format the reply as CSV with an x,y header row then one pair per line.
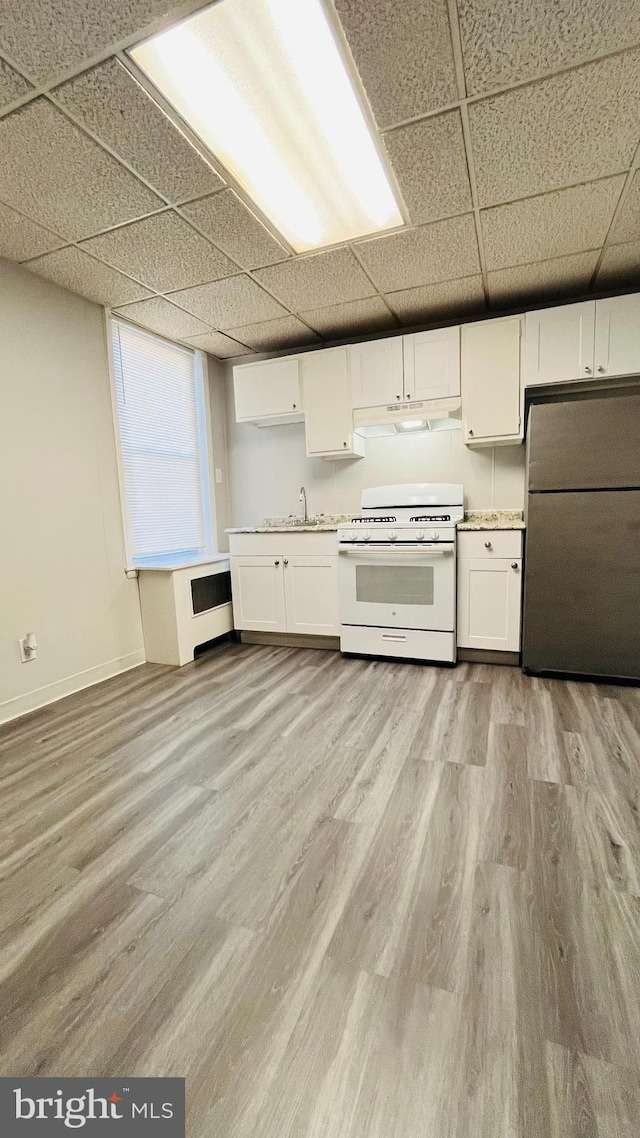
x,y
394,584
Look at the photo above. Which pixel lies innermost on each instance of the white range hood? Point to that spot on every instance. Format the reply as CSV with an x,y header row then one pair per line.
x,y
409,418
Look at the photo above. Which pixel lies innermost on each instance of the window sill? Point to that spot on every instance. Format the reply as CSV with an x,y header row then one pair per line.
x,y
172,561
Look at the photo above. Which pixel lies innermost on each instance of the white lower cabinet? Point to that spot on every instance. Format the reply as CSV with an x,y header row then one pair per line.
x,y
489,589
285,582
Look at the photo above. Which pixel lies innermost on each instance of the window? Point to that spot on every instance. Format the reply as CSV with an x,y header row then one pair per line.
x,y
160,409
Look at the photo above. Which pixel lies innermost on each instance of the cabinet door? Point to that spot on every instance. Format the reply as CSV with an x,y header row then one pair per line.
x,y
489,603
267,389
311,595
432,364
491,380
328,416
617,350
559,344
258,593
376,372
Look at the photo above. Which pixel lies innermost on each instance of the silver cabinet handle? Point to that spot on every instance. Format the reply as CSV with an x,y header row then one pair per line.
x,y
408,395
276,563
588,370
397,396
487,545
601,368
514,564
294,406
397,639
344,444
469,432
285,562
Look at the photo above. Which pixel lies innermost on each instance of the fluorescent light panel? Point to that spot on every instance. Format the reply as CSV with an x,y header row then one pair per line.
x,y
264,85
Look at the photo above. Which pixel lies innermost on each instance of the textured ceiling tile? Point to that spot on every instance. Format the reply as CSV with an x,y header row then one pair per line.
x,y
620,264
12,85
507,41
571,128
226,219
217,344
316,281
109,102
82,274
163,251
430,163
566,221
626,226
63,179
423,256
162,317
431,302
284,333
234,301
560,276
354,316
21,238
403,54
46,37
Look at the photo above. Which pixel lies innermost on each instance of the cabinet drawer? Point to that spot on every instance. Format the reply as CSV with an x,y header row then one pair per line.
x,y
283,544
490,543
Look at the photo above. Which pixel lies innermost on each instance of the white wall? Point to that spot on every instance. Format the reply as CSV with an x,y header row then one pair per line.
x,y
61,549
268,465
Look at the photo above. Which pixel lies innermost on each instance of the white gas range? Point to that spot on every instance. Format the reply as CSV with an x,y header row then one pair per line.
x,y
398,572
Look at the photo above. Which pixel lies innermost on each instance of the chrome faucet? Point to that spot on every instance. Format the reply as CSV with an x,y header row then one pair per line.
x,y
303,498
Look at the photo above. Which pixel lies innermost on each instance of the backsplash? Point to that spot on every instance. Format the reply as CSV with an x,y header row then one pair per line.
x,y
268,465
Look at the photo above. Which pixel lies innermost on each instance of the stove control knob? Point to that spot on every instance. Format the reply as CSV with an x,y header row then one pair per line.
x,y
420,534
366,535
434,535
353,536
392,535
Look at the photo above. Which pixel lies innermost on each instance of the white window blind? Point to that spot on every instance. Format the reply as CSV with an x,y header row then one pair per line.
x,y
162,442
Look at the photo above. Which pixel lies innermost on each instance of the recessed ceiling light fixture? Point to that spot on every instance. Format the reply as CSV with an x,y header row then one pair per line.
x,y
264,84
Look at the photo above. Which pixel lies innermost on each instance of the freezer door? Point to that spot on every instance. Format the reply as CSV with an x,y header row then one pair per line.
x,y
585,443
582,584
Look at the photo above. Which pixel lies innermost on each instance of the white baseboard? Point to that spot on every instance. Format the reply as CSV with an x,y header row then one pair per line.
x,y
50,693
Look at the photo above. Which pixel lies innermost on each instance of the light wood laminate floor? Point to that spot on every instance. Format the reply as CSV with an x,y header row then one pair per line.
x,y
344,898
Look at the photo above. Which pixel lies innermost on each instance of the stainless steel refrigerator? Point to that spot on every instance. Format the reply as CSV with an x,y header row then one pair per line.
x,y
582,563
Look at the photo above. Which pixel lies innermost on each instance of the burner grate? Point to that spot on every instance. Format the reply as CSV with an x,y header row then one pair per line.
x,y
367,521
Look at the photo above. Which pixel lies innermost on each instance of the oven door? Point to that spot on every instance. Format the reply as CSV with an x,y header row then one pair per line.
x,y
398,586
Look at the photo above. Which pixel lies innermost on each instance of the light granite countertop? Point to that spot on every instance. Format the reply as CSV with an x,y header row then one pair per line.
x,y
327,523
492,519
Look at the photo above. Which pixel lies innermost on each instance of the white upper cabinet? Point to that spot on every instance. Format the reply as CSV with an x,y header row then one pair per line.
x,y
617,339
328,414
268,392
432,364
559,344
376,372
491,381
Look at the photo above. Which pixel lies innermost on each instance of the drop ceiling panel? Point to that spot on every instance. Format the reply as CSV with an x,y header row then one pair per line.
x,y
620,265
403,53
274,334
46,38
217,344
12,85
557,277
506,41
77,271
568,129
436,301
626,226
229,302
423,256
350,318
163,251
21,238
109,102
61,178
163,317
233,227
430,164
566,221
318,280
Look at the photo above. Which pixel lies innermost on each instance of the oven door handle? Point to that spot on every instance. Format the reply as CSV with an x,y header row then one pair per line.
x,y
414,550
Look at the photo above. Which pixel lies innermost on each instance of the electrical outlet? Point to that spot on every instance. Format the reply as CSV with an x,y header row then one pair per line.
x,y
218,474
26,652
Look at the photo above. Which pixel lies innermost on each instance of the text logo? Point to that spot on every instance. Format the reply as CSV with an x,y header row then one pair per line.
x,y
128,1108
